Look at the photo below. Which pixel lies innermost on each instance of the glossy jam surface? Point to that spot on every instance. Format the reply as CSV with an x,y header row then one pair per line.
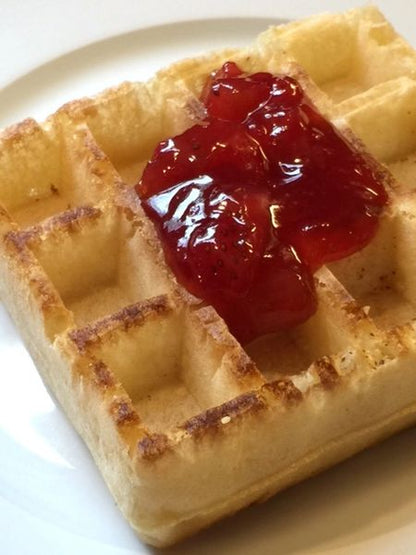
x,y
250,202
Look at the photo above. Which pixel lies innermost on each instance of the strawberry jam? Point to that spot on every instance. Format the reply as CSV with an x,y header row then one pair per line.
x,y
255,198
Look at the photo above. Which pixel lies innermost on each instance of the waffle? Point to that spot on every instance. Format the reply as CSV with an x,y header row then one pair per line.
x,y
185,424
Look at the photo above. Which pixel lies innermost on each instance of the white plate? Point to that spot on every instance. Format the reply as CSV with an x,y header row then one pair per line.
x,y
52,497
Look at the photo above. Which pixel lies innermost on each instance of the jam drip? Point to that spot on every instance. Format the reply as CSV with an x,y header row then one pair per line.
x,y
254,199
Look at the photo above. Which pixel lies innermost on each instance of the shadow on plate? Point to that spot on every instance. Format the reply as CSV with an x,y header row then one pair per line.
x,y
355,502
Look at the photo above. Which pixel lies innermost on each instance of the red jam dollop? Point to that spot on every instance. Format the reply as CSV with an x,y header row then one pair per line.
x,y
255,198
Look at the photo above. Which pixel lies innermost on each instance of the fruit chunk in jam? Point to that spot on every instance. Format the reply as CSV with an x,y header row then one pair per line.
x,y
255,198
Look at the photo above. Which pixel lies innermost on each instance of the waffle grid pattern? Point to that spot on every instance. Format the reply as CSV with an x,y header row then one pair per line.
x,y
186,425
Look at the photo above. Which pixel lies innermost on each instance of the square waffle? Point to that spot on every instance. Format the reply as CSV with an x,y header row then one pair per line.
x,y
150,376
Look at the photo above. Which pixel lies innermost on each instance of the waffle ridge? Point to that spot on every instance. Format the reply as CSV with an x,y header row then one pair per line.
x,y
149,375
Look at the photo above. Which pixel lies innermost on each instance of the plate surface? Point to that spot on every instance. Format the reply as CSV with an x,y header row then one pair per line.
x,y
52,498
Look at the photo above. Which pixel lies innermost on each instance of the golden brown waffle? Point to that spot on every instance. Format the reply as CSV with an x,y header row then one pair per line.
x,y
185,425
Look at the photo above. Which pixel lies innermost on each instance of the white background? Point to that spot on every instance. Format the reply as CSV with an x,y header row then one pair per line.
x,y
34,31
